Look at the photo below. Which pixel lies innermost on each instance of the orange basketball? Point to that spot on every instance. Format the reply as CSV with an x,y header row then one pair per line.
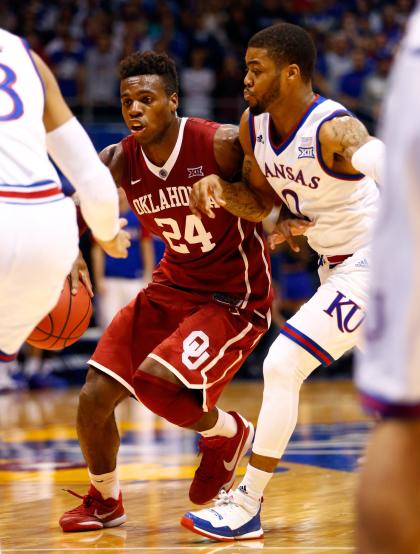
x,y
66,323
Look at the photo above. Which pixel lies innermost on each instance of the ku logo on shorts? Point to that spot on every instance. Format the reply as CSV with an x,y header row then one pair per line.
x,y
349,314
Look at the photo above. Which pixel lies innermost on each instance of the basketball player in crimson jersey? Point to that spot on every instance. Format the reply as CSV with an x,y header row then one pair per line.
x,y
181,340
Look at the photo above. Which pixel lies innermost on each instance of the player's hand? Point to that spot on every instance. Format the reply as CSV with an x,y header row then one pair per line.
x,y
80,271
118,246
204,189
285,230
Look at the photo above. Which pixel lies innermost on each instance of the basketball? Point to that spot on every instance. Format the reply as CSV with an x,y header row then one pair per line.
x,y
66,323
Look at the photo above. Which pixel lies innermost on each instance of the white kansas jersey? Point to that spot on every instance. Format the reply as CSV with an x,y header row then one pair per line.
x,y
341,206
26,174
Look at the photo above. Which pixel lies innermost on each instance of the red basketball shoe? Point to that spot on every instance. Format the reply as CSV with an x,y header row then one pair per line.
x,y
220,458
94,512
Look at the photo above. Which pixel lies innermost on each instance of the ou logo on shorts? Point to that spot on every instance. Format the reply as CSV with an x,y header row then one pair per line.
x,y
195,348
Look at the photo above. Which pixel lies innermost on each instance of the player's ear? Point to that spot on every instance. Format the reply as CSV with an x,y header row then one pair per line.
x,y
293,71
173,101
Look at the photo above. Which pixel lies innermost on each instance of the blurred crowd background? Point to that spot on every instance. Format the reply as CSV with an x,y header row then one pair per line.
x,y
84,40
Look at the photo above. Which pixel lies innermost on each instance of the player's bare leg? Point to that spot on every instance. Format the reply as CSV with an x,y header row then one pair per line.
x,y
96,427
388,497
99,440
264,463
226,436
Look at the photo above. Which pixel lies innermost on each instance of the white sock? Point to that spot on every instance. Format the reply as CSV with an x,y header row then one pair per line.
x,y
107,484
254,482
226,426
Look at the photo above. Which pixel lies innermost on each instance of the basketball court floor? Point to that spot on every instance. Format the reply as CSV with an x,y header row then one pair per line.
x,y
308,507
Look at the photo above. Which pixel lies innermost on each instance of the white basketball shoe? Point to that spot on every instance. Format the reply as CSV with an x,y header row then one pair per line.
x,y
232,518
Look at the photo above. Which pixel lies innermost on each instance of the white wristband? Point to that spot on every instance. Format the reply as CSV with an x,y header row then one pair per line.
x,y
369,159
72,150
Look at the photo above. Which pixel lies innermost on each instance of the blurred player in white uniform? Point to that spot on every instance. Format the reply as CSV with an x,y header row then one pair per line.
x,y
388,374
38,230
322,163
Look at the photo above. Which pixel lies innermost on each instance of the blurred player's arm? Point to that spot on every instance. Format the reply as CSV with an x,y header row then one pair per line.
x,y
251,198
70,147
345,140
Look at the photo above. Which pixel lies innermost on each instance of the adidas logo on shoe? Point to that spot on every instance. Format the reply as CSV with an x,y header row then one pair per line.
x,y
242,488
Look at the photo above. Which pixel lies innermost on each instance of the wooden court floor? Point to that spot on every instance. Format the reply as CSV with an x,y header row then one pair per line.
x,y
308,507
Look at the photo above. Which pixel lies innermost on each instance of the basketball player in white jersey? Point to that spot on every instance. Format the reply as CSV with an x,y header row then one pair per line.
x,y
388,374
322,163
38,229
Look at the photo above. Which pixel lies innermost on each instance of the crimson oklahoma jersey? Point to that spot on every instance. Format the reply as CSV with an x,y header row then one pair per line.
x,y
187,319
222,255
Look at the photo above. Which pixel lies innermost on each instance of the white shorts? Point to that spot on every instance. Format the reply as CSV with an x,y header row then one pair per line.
x,y
329,324
38,245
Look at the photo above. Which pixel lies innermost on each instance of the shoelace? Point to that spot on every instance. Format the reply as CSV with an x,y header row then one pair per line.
x,y
87,499
227,499
216,442
224,498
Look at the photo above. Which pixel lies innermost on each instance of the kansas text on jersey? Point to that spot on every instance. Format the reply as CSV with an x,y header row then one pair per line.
x,y
341,206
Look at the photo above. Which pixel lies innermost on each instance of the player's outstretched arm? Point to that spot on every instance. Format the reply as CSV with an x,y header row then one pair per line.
x,y
70,147
347,138
251,198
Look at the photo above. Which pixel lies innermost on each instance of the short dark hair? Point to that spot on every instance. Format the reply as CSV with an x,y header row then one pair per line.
x,y
287,43
151,63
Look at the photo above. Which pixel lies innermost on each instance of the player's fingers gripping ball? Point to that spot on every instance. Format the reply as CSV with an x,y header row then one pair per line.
x,y
66,322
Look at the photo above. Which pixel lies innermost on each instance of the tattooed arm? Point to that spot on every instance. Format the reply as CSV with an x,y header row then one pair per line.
x,y
251,198
348,148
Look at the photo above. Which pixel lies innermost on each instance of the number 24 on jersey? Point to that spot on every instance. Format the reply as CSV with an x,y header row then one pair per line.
x,y
194,233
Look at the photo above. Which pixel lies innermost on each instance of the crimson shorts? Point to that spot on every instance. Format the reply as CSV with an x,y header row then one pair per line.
x,y
202,341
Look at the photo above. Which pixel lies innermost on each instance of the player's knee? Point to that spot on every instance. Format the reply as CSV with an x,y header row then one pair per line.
x,y
91,408
174,402
281,365
156,369
278,373
100,395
